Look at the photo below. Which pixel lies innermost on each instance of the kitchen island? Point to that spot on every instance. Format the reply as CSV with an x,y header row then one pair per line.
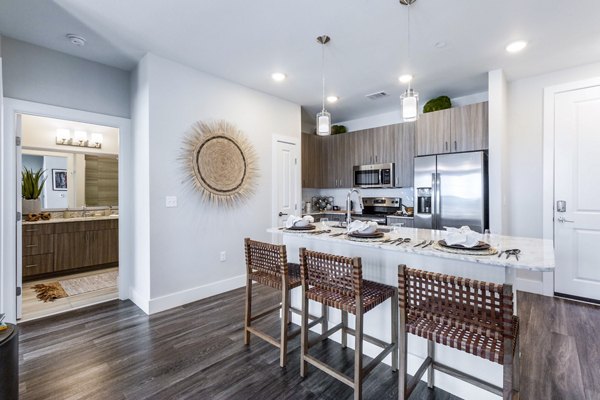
x,y
380,263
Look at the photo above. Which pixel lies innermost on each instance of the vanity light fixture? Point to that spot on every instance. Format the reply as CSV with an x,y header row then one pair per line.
x,y
63,136
79,138
96,140
323,118
410,98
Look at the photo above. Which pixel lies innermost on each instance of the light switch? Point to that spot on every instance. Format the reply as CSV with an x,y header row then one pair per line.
x,y
171,201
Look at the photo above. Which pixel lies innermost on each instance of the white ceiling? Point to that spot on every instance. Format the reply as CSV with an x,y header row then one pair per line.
x,y
245,41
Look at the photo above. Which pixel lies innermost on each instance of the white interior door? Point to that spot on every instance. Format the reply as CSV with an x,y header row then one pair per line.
x,y
577,184
19,227
286,186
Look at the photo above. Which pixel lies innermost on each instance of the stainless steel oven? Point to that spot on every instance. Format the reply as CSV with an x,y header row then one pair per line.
x,y
374,175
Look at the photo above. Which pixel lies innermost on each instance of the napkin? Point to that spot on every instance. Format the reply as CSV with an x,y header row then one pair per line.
x,y
463,236
363,227
293,220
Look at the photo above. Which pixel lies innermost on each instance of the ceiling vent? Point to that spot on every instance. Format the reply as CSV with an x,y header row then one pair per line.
x,y
376,95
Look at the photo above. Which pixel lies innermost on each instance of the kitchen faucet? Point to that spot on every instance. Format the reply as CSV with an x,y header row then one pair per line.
x,y
348,205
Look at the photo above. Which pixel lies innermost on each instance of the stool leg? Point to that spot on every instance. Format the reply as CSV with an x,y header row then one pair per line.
x,y
517,366
430,353
285,311
402,368
358,346
507,384
344,329
325,315
304,335
248,311
394,341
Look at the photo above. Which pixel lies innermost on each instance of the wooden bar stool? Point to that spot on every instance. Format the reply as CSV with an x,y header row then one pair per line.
x,y
337,282
267,264
468,315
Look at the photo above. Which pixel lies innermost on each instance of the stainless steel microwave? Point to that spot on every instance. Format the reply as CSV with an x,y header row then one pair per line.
x,y
374,175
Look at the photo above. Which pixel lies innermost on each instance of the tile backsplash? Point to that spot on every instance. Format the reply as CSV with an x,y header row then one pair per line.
x,y
407,194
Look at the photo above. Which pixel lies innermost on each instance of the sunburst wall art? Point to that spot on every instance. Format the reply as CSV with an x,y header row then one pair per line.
x,y
221,163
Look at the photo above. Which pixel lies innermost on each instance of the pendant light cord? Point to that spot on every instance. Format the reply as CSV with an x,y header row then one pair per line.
x,y
408,40
323,71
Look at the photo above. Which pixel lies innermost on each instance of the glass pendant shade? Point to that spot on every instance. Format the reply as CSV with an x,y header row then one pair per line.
x,y
323,123
410,105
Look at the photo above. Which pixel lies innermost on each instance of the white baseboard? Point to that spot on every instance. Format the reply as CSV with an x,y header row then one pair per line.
x,y
140,301
176,299
531,286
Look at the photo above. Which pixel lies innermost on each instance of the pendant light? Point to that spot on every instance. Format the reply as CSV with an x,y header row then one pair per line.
x,y
410,98
323,118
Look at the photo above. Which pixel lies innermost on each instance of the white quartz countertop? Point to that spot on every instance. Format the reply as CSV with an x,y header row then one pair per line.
x,y
536,254
74,219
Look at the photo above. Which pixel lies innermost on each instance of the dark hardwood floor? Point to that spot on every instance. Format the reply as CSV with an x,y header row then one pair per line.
x,y
114,351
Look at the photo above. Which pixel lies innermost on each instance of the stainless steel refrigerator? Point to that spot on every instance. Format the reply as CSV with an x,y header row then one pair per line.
x,y
452,190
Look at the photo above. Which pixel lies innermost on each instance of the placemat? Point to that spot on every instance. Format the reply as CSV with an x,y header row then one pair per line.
x,y
487,252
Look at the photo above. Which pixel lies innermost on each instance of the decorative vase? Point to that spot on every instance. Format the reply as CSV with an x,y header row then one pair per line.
x,y
32,206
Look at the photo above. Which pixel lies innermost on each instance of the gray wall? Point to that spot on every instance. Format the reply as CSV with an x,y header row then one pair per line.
x,y
33,162
46,76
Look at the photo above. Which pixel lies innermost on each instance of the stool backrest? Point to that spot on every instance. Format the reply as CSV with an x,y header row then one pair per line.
x,y
266,257
478,306
342,275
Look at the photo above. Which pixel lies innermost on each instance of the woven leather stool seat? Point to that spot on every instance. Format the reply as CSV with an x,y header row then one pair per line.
x,y
466,314
373,294
336,281
275,281
464,336
266,264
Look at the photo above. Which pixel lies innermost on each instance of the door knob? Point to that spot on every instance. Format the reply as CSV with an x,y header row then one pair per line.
x,y
563,219
281,214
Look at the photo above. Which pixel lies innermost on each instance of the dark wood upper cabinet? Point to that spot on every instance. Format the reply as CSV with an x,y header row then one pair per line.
x,y
404,149
453,130
469,127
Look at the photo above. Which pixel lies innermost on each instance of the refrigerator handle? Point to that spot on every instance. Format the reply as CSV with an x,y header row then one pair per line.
x,y
438,199
433,201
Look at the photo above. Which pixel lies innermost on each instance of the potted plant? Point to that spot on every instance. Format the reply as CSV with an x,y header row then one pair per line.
x,y
31,189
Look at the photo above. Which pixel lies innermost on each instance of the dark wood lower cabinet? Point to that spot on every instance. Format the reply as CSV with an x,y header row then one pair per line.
x,y
69,246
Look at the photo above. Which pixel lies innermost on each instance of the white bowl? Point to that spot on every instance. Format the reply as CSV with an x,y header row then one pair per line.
x,y
370,229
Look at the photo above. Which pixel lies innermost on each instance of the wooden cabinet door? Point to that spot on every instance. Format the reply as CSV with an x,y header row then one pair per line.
x,y
329,159
38,264
469,127
383,144
102,247
433,133
312,161
363,151
404,149
345,157
69,250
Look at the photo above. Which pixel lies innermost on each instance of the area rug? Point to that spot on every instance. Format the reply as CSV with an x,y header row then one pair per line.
x,y
71,287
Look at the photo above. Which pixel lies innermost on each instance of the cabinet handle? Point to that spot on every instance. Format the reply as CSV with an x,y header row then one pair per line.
x,y
31,245
31,230
446,146
455,146
31,266
376,159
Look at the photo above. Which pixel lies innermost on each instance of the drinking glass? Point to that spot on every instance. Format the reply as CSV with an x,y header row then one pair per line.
x,y
396,228
324,222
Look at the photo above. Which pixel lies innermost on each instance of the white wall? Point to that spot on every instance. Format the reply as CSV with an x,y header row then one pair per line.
x,y
46,76
525,146
497,162
186,241
139,177
55,198
395,117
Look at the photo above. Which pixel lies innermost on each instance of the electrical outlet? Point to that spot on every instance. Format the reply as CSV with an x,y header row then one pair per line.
x,y
171,201
223,256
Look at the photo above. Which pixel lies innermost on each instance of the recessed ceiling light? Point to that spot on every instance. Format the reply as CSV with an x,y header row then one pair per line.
x,y
332,99
440,45
76,40
517,46
405,78
278,76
